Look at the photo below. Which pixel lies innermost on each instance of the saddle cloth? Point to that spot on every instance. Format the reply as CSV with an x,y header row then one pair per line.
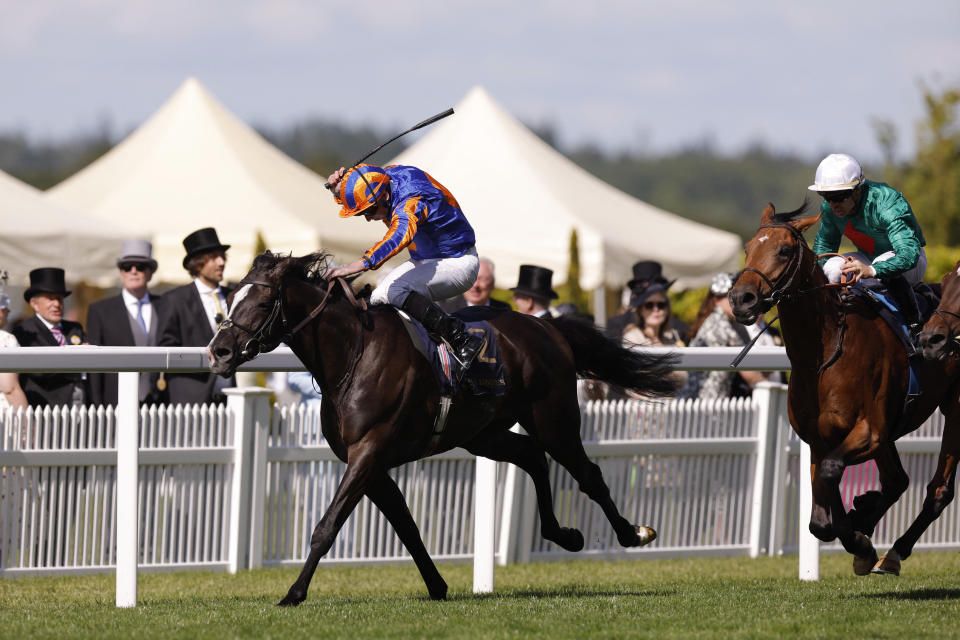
x,y
485,375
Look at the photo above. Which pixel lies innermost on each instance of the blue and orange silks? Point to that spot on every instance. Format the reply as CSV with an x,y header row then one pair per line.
x,y
425,218
359,188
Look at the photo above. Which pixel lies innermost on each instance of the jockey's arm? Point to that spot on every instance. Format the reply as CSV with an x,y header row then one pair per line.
x,y
348,270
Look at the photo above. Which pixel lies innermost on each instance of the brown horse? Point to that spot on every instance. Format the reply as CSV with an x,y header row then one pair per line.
x,y
848,383
939,340
381,399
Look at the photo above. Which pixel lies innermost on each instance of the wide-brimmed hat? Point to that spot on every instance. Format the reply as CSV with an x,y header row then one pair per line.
x,y
46,280
137,250
202,240
639,297
535,281
647,272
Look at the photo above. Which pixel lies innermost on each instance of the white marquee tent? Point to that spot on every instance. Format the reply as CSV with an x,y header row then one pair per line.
x,y
194,164
523,199
35,232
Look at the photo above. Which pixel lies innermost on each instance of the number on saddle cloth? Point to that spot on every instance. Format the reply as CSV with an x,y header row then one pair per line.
x,y
485,375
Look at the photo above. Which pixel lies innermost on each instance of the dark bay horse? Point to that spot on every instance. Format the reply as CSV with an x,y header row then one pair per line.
x,y
380,398
848,383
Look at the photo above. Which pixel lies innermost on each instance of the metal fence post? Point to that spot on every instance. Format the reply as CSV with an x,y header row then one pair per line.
x,y
766,399
128,466
248,407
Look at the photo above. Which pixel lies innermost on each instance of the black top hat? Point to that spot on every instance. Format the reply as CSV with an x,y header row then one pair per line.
x,y
46,280
202,240
647,272
535,281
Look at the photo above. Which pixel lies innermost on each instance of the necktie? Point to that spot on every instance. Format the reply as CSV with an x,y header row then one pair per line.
x,y
218,318
140,320
58,334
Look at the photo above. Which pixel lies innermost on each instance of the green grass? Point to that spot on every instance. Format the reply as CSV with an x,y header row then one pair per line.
x,y
684,598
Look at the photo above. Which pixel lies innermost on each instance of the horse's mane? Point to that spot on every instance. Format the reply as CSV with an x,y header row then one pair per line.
x,y
783,218
311,268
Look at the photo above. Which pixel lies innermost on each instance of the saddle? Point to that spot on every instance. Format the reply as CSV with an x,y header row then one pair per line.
x,y
485,375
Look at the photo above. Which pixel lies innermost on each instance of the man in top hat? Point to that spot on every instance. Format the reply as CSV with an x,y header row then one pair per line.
x,y
130,319
192,313
645,274
47,328
533,292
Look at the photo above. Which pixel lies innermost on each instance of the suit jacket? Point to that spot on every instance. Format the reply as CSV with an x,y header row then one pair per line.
x,y
108,325
185,324
53,389
451,305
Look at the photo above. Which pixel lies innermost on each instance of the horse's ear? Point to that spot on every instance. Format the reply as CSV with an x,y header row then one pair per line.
x,y
767,216
805,223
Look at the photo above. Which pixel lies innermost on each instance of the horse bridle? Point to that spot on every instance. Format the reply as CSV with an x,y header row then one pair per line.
x,y
953,337
779,290
254,346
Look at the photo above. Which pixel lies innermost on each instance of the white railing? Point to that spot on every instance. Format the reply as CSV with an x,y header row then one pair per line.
x,y
235,487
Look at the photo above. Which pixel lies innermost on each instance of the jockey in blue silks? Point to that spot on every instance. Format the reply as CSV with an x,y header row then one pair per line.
x,y
424,217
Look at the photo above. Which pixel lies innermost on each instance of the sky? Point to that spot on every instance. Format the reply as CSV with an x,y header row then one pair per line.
x,y
800,77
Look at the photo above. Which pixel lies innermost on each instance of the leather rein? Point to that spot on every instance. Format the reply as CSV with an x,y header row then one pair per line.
x,y
254,346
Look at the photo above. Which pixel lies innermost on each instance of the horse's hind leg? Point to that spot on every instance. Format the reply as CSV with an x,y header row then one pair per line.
x,y
557,427
522,451
940,492
385,493
351,489
869,507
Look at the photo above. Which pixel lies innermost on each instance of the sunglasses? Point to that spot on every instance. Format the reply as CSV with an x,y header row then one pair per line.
x,y
836,196
139,266
650,306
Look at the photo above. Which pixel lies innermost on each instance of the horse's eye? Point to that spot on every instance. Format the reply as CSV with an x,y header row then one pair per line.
x,y
785,251
264,305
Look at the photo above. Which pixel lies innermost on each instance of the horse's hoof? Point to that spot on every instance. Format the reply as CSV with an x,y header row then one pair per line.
x,y
438,592
291,600
645,535
862,566
889,564
570,539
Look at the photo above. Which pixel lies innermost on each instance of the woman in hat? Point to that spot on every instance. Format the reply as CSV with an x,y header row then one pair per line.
x,y
651,326
424,217
879,221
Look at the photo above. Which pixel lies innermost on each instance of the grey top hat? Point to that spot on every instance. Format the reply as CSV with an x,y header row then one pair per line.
x,y
137,250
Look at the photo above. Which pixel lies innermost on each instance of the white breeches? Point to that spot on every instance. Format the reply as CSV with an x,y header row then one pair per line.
x,y
831,268
436,278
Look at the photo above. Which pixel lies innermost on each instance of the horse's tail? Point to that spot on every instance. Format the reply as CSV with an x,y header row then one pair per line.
x,y
597,356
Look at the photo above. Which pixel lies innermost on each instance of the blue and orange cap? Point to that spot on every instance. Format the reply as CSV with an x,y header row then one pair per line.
x,y
359,188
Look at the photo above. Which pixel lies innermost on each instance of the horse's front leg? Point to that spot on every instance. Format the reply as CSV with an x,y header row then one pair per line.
x,y
869,507
828,518
353,484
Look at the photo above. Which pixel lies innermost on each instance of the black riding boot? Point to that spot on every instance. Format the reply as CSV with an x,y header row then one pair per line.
x,y
464,345
903,292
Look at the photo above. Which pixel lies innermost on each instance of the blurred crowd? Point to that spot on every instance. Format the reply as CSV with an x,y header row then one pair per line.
x,y
189,316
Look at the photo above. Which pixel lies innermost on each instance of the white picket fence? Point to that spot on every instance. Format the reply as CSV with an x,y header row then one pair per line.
x,y
215,491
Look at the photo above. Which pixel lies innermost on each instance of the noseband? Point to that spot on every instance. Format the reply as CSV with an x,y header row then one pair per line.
x,y
953,338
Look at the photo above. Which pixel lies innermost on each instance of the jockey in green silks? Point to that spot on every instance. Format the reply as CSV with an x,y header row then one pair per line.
x,y
879,221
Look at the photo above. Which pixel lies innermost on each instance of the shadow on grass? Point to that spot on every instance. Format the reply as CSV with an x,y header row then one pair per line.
x,y
918,594
524,594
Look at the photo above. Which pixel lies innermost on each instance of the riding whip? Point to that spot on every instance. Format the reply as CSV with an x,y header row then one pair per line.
x,y
428,121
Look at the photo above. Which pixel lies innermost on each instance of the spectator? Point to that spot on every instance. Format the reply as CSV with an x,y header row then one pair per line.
x,y
716,327
48,329
533,292
130,319
303,383
192,313
11,394
645,273
478,294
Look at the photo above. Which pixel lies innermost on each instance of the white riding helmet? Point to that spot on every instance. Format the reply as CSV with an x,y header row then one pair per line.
x,y
837,172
